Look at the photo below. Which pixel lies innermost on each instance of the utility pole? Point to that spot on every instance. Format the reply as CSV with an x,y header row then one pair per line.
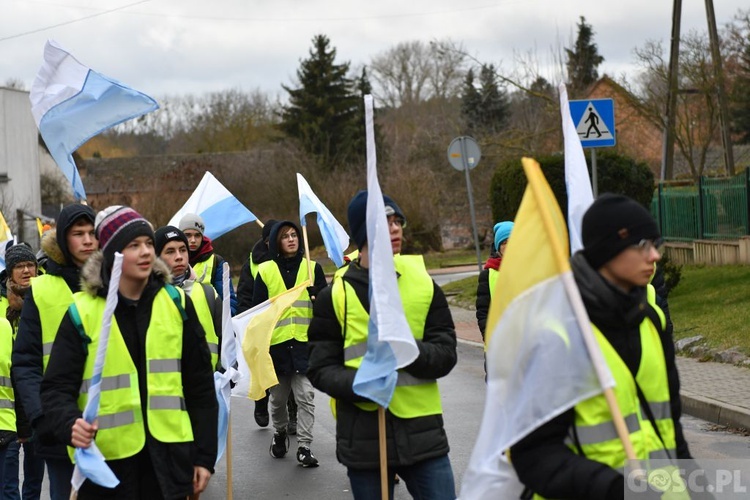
x,y
667,170
713,36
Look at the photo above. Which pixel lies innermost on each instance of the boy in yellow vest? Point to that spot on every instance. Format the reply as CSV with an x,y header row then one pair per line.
x,y
415,437
578,454
157,420
288,348
67,248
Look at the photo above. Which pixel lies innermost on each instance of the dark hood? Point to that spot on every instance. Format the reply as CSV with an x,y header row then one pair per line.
x,y
273,247
609,307
260,252
68,216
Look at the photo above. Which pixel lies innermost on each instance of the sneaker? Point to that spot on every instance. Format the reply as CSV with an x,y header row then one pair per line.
x,y
279,445
305,457
261,412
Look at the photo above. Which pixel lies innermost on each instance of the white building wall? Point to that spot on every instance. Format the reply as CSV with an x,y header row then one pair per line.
x,y
19,162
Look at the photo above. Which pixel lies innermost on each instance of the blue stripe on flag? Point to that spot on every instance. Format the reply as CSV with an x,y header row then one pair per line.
x,y
377,376
225,215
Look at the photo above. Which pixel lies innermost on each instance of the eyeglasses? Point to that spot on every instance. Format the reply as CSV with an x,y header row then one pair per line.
x,y
289,236
25,265
396,221
645,246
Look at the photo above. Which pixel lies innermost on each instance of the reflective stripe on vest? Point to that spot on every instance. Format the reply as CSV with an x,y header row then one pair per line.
x,y
121,430
413,397
204,270
52,297
200,302
294,322
7,398
594,426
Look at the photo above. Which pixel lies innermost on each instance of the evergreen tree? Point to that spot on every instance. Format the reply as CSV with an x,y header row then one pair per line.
x,y
583,60
323,109
741,97
485,109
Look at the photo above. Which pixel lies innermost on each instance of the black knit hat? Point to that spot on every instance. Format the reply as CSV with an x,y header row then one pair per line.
x,y
357,216
165,234
69,215
267,228
611,224
20,252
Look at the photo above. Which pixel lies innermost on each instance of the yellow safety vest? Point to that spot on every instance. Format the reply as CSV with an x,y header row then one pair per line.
x,y
295,321
492,279
52,297
253,267
413,397
121,431
595,429
204,270
3,306
202,309
7,399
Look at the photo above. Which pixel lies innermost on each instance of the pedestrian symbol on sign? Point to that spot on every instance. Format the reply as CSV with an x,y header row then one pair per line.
x,y
592,126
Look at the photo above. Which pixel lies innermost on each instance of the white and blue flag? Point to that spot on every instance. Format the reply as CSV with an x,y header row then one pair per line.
x,y
390,343
219,209
71,103
335,237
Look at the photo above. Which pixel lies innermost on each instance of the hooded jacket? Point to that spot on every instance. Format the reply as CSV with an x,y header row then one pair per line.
x,y
542,459
27,351
172,462
245,286
409,441
288,357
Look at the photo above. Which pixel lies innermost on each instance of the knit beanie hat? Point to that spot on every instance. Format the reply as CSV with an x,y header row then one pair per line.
x,y
165,234
116,226
613,223
20,252
69,215
267,228
357,216
502,232
192,221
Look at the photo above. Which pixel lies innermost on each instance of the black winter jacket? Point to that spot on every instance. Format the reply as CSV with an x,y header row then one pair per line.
x,y
288,357
542,460
27,364
259,254
409,441
172,462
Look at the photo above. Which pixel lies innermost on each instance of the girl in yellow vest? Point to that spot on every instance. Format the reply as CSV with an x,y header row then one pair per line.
x,y
157,420
578,454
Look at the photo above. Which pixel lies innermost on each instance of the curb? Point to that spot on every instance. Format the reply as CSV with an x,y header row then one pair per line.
x,y
714,411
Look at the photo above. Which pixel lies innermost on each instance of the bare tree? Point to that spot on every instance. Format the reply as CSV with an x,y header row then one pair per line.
x,y
412,72
697,113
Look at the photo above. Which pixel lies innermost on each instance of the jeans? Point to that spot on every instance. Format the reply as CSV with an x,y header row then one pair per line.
x,y
33,472
427,480
59,470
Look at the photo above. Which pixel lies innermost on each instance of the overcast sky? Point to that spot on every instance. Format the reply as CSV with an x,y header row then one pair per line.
x,y
195,46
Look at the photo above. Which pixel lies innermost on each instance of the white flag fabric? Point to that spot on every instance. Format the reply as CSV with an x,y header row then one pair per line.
x,y
542,357
222,381
90,463
577,180
335,237
390,343
72,103
220,210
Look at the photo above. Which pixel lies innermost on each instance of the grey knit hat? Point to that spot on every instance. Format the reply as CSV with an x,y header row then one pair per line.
x,y
192,221
20,252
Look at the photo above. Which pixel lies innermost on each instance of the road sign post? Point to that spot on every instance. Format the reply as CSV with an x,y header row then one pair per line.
x,y
595,123
464,154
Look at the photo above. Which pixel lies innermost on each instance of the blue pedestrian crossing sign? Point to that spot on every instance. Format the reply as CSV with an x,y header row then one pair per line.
x,y
595,122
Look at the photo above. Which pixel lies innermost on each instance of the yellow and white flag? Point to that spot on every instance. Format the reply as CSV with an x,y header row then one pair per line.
x,y
542,357
254,329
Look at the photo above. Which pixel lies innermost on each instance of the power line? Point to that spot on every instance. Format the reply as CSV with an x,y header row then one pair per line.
x,y
18,35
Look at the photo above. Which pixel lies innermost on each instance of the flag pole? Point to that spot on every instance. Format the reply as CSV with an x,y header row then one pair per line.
x,y
531,167
228,451
383,454
307,255
260,223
